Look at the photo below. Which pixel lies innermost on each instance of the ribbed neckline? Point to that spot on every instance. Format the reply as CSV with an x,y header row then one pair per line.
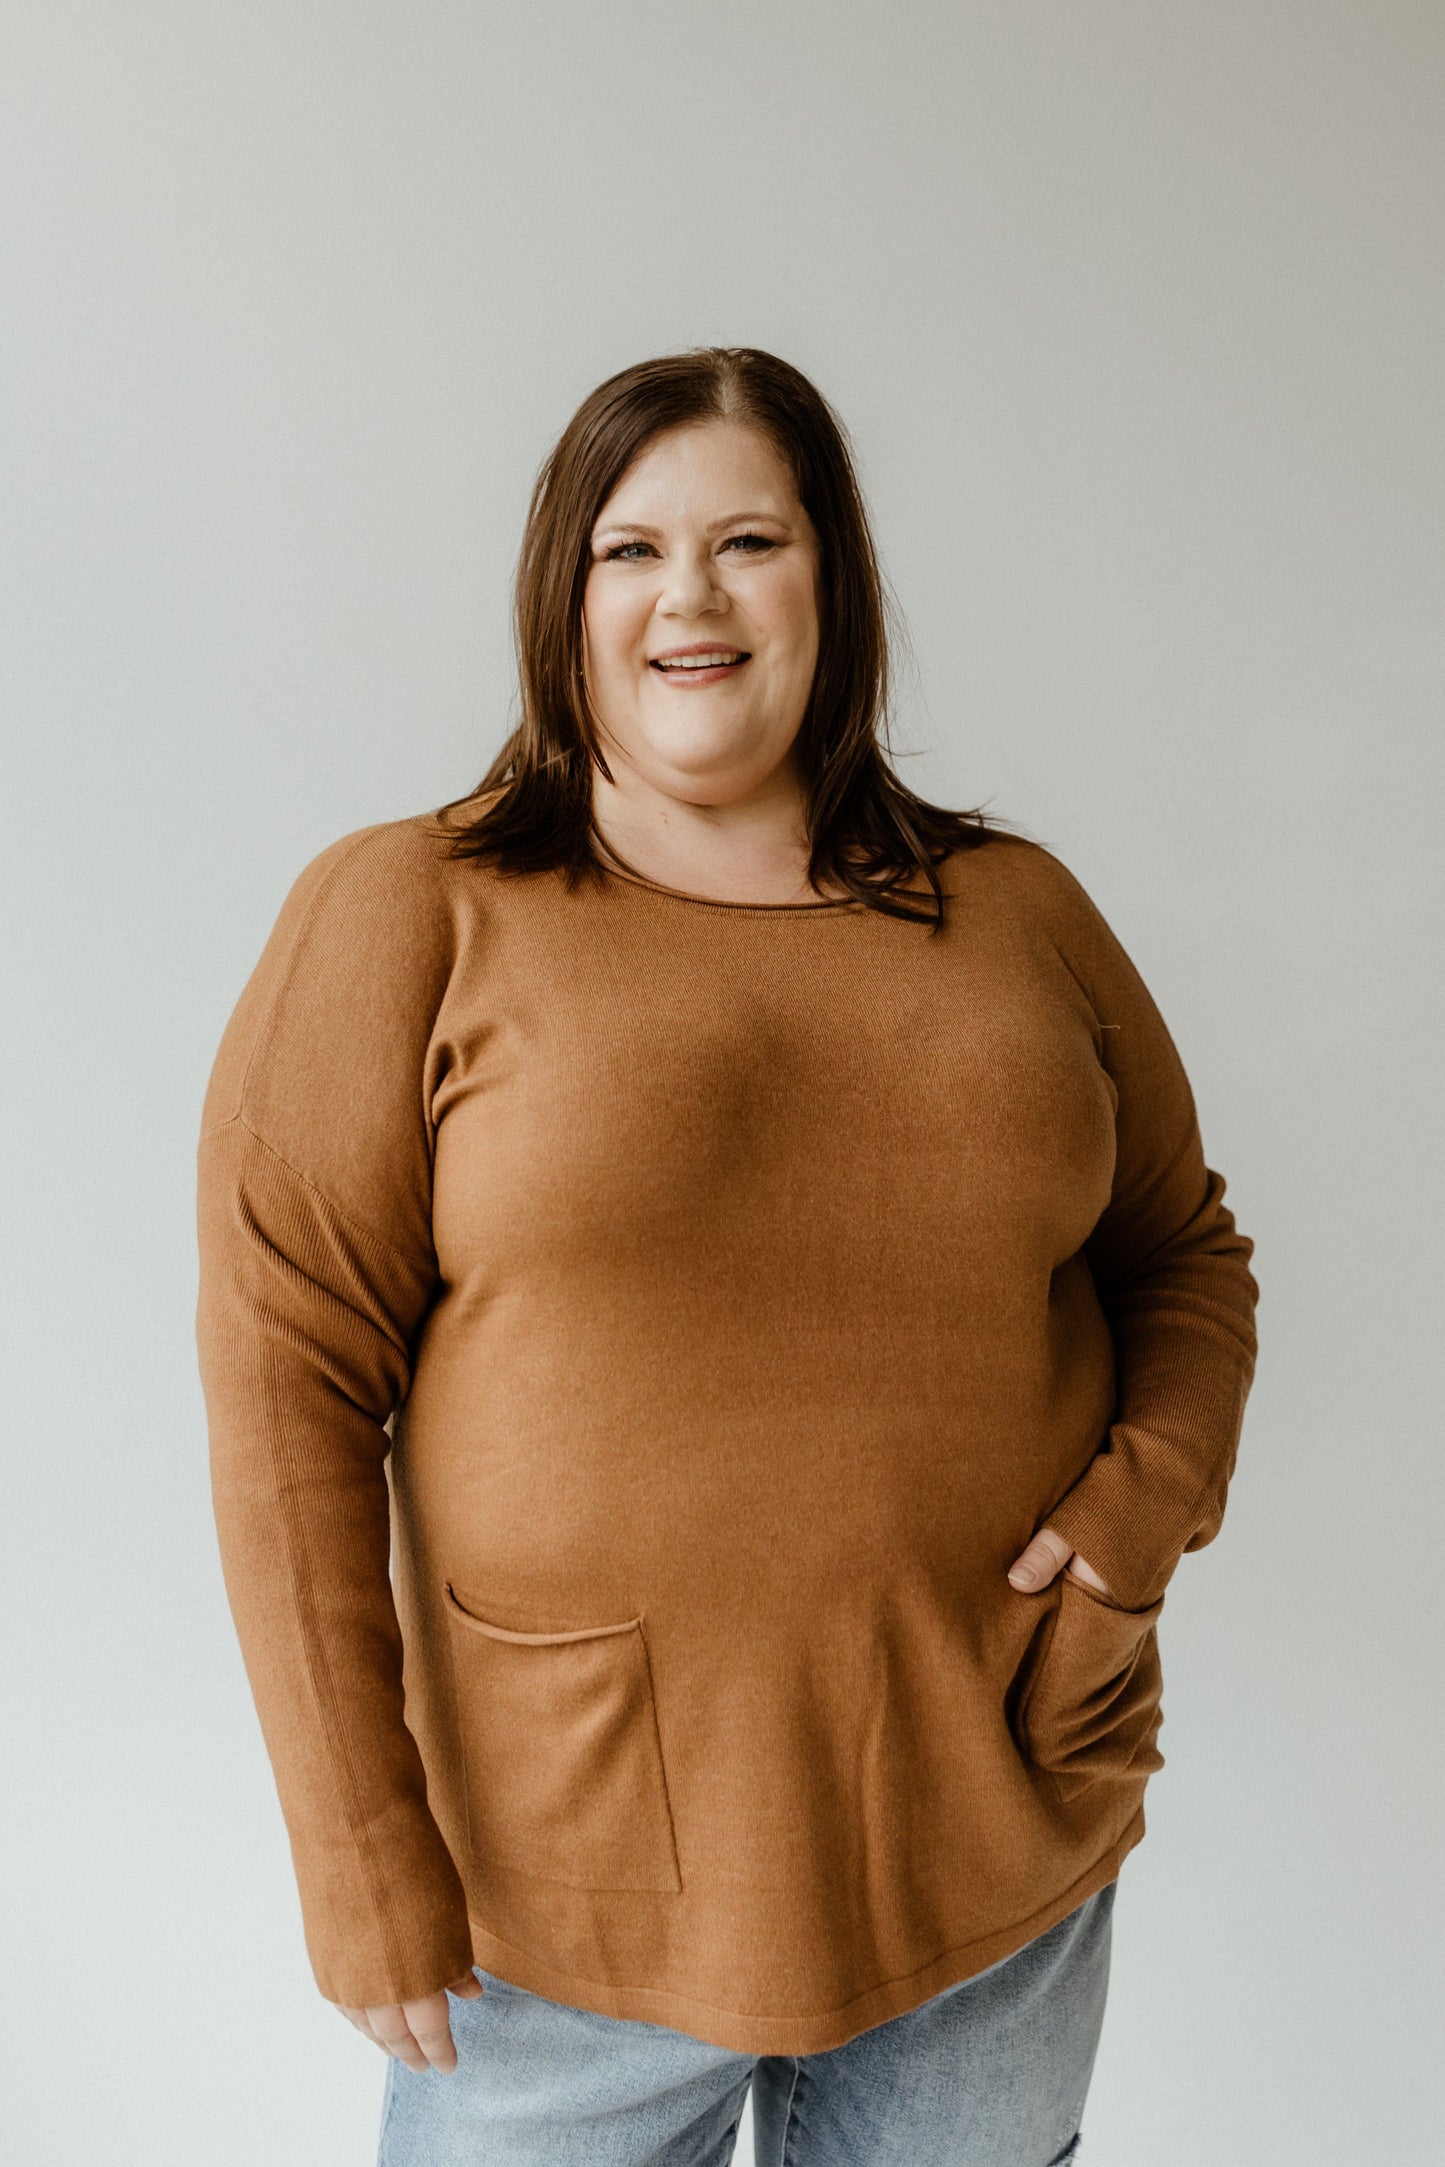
x,y
712,902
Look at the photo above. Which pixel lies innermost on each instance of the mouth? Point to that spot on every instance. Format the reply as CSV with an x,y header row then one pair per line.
x,y
698,665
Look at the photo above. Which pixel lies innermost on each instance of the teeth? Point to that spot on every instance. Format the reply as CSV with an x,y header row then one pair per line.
x,y
702,662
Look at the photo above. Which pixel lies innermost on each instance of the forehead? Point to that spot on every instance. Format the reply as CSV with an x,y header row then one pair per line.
x,y
711,469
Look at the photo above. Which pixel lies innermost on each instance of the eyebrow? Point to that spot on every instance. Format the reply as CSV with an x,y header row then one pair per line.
x,y
733,519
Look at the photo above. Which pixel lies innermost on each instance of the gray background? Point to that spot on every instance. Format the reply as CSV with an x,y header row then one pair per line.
x,y
1136,315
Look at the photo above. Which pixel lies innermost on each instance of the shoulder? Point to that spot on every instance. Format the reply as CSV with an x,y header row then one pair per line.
x,y
389,869
356,962
396,885
1026,874
1022,883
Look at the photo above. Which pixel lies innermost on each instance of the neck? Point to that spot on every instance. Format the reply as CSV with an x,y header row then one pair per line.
x,y
752,849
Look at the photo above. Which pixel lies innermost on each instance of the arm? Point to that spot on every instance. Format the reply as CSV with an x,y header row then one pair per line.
x,y
1173,1279
316,1269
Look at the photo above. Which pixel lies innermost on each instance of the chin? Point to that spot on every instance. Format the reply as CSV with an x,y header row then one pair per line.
x,y
706,787
722,755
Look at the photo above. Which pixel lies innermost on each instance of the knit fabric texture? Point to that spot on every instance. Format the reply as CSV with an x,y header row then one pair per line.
x,y
638,1334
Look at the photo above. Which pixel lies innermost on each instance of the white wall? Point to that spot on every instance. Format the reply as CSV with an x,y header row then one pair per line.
x,y
1136,315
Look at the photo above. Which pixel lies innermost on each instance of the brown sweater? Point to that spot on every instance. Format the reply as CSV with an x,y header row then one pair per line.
x,y
701,1305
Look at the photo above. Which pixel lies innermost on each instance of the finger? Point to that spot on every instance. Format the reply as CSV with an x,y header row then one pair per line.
x,y
358,2018
467,1988
1079,1568
430,2023
391,2030
1036,1566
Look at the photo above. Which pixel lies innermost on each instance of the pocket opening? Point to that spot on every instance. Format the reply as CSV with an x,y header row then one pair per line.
x,y
478,1624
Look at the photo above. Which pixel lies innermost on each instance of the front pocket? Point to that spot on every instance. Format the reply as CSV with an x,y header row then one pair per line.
x,y
561,1754
1092,1708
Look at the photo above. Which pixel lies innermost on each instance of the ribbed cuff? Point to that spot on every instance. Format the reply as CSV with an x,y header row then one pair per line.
x,y
1090,1518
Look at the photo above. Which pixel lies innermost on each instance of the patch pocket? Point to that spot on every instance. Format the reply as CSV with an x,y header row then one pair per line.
x,y
561,1756
1092,1708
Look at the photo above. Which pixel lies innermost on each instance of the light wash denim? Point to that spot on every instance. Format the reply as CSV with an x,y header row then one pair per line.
x,y
990,2073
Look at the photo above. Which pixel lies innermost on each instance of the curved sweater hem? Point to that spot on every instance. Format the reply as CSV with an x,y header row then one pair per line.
x,y
742,2031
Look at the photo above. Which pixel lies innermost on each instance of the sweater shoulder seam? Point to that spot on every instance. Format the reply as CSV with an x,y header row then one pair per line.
x,y
357,1226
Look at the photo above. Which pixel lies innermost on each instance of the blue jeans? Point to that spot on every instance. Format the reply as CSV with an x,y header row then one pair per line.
x,y
990,2073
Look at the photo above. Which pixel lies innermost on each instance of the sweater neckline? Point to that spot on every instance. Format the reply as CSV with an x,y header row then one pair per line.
x,y
713,902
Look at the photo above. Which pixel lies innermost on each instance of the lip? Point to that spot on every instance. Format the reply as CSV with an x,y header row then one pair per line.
x,y
687,678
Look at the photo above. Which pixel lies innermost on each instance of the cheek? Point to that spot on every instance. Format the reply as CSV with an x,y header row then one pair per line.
x,y
614,622
788,611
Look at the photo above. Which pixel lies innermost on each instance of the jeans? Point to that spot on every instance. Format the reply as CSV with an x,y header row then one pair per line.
x,y
990,2073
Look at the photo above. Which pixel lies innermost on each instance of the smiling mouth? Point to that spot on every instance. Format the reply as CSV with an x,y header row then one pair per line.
x,y
717,658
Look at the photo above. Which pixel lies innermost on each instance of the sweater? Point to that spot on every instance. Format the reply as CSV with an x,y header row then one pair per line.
x,y
638,1333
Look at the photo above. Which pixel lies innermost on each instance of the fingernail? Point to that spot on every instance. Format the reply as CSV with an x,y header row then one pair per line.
x,y
1023,1576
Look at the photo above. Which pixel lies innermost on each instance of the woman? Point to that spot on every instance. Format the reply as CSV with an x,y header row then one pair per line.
x,y
717,1330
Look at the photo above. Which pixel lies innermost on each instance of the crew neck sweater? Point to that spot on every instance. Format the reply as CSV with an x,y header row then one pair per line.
x,y
638,1334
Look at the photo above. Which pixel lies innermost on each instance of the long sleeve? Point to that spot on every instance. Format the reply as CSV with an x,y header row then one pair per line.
x,y
316,1271
1172,1275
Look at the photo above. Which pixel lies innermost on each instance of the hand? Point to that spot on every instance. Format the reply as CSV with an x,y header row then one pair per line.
x,y
1046,1556
418,2033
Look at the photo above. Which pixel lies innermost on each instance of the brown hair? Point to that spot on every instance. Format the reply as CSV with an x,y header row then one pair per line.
x,y
866,831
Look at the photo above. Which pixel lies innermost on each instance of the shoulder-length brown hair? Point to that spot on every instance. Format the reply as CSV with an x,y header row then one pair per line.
x,y
867,832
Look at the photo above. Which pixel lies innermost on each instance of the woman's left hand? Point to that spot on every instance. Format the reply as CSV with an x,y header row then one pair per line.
x,y
1046,1556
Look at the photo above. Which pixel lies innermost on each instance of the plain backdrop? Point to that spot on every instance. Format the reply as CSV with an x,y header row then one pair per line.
x,y
1135,315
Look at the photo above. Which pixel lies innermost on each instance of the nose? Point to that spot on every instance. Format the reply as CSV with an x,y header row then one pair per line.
x,y
690,589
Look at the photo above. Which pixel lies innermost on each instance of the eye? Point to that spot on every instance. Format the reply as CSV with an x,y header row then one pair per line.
x,y
623,552
750,544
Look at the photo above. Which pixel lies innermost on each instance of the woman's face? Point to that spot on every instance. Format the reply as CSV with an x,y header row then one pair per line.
x,y
700,614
